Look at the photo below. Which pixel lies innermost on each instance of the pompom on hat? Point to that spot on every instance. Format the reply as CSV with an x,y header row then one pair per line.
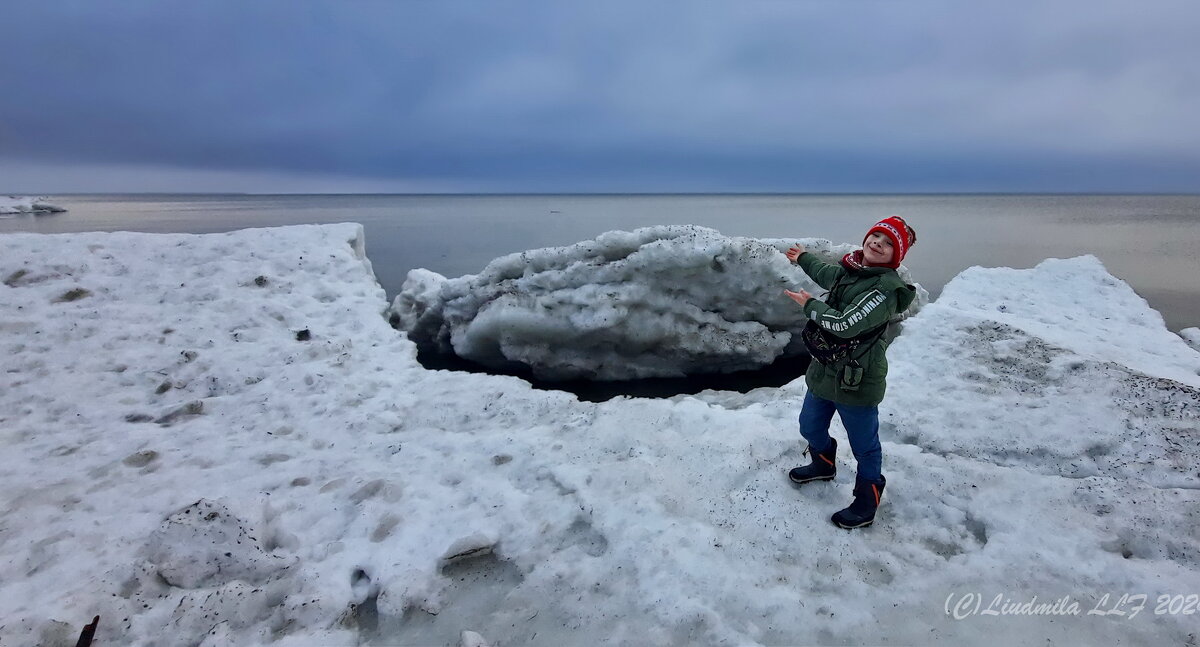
x,y
902,236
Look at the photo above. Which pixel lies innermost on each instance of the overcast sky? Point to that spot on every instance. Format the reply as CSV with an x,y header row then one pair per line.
x,y
606,96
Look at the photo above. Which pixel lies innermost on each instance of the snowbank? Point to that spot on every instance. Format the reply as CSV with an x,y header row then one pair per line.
x,y
15,204
166,397
1061,369
661,301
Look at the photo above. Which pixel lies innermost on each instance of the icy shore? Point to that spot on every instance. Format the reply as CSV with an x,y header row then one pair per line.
x,y
17,204
219,439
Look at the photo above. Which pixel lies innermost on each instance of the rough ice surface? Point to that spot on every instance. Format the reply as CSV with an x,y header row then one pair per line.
x,y
1191,336
1028,458
205,545
663,301
22,204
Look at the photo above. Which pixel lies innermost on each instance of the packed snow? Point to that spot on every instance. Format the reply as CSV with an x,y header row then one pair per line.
x,y
663,301
17,204
218,439
1191,336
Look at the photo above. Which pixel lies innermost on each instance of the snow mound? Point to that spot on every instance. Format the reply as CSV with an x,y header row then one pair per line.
x,y
205,545
1062,369
1075,303
661,301
15,204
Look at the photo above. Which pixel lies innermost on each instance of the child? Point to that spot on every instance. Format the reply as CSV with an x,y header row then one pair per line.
x,y
846,335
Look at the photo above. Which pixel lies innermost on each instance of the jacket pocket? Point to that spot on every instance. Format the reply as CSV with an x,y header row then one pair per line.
x,y
876,366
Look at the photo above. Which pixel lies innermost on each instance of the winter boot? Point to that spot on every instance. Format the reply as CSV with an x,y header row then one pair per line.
x,y
822,467
861,512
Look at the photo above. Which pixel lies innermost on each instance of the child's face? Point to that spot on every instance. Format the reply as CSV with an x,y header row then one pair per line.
x,y
877,250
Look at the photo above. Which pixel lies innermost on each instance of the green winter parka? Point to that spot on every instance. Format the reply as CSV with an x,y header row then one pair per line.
x,y
862,301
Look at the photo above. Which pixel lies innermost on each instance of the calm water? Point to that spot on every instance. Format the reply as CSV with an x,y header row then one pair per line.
x,y
1152,242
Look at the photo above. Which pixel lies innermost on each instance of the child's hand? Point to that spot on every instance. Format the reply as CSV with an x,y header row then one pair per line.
x,y
795,252
800,297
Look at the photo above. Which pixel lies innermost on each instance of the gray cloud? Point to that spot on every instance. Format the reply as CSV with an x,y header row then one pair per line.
x,y
616,96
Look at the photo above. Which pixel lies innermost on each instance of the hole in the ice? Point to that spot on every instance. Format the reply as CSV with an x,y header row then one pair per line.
x,y
777,374
360,580
1118,546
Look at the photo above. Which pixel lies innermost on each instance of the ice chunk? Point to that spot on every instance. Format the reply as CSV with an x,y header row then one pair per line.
x,y
661,301
17,204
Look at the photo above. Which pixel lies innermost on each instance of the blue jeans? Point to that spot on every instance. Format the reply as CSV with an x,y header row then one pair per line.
x,y
862,427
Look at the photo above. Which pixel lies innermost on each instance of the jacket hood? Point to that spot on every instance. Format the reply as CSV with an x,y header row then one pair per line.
x,y
905,294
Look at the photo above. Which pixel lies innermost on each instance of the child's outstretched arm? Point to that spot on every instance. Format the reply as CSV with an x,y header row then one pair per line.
x,y
870,310
823,273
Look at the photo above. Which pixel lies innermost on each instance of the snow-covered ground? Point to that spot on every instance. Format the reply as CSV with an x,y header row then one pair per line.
x,y
12,204
218,439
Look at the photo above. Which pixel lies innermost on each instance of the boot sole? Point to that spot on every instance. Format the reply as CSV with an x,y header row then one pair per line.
x,y
815,478
849,527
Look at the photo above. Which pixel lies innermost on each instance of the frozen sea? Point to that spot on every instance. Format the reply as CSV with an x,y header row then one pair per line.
x,y
1150,241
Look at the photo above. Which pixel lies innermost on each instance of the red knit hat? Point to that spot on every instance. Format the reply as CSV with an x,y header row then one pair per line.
x,y
902,236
